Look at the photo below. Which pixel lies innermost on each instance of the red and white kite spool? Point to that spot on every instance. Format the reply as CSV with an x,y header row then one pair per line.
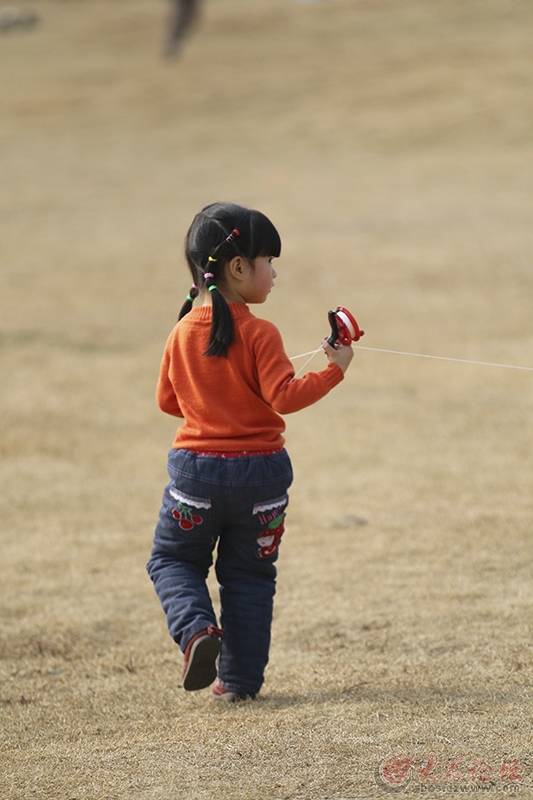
x,y
344,327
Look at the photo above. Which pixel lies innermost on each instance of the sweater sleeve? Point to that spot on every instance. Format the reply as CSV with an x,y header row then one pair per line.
x,y
165,394
280,389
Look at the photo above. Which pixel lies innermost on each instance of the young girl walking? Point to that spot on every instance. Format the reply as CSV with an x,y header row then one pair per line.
x,y
225,372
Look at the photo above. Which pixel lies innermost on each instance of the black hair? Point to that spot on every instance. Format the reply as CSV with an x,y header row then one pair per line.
x,y
217,234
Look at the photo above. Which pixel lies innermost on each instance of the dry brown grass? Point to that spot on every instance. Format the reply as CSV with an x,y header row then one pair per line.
x,y
392,144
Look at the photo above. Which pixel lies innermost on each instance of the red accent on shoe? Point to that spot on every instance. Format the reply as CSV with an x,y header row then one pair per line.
x,y
201,653
219,693
217,633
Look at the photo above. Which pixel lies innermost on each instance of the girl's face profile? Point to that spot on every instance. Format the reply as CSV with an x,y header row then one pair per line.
x,y
260,280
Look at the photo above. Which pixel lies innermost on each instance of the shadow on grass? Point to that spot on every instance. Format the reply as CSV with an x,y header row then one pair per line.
x,y
454,697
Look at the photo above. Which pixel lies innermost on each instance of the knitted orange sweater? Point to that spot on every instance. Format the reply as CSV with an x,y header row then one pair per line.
x,y
234,403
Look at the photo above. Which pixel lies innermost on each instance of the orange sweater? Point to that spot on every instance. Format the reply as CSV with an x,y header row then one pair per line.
x,y
234,403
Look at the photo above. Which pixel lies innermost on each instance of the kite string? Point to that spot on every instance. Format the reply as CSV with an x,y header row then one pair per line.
x,y
313,353
301,355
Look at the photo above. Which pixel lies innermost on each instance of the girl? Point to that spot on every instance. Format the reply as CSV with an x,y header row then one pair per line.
x,y
226,373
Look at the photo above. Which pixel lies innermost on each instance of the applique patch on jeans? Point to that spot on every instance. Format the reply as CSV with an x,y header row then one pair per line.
x,y
185,504
271,516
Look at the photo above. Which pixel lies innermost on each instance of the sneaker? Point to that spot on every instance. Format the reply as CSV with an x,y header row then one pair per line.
x,y
219,693
199,667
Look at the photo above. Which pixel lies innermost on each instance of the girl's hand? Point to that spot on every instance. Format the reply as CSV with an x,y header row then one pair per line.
x,y
340,354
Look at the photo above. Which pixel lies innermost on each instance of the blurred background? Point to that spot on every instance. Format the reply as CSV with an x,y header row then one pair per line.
x,y
391,142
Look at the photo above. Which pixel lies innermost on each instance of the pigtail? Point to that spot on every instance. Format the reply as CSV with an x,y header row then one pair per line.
x,y
221,335
186,307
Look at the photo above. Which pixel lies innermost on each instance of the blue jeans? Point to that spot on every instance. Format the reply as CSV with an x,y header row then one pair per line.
x,y
237,503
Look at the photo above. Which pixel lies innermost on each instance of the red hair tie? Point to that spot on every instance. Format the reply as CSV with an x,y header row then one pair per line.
x,y
232,235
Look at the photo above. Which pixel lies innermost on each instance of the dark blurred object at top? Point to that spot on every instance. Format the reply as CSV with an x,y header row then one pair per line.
x,y
183,14
11,17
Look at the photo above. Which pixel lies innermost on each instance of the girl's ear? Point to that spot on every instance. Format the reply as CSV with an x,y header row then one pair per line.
x,y
237,268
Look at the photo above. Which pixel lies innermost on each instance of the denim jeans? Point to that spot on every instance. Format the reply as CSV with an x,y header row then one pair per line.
x,y
236,504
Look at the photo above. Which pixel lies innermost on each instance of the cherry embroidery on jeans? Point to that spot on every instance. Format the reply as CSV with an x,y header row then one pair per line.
x,y
187,521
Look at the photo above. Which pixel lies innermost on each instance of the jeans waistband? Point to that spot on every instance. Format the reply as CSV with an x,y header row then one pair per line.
x,y
236,453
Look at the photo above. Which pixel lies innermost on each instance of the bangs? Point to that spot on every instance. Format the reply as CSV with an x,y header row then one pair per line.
x,y
265,240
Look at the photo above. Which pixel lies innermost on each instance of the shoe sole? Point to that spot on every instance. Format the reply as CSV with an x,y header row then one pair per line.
x,y
201,669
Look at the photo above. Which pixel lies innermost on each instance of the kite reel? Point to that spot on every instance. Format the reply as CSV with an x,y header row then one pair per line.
x,y
344,327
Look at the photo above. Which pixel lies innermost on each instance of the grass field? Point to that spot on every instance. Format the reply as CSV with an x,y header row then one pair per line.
x,y
391,142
